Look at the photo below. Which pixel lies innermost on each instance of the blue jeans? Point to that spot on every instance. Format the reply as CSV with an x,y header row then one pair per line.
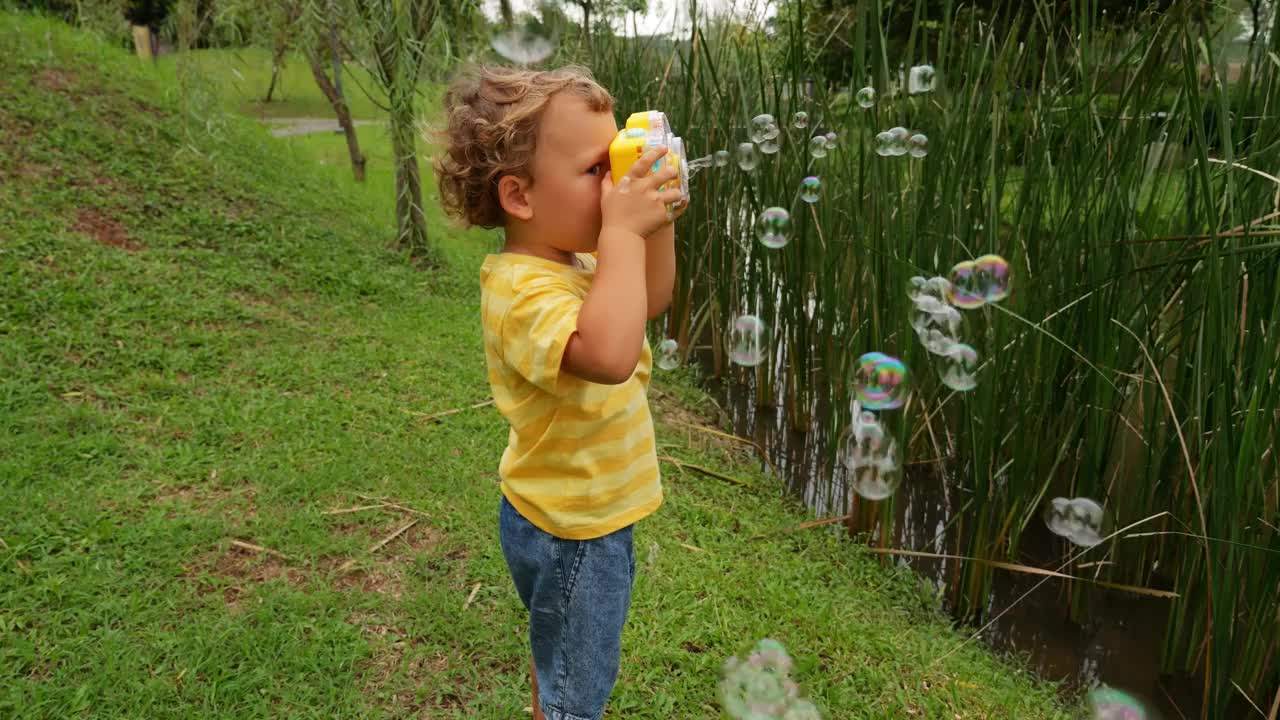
x,y
577,593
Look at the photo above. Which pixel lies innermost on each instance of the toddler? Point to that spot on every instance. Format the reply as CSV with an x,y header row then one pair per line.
x,y
586,260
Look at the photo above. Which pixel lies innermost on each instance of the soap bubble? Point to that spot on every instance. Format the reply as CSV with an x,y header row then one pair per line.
x,y
810,189
721,158
870,454
898,142
880,381
968,288
763,127
747,340
1084,520
748,158
1107,703
818,146
761,688
958,367
801,120
921,79
866,97
773,227
884,144
524,46
667,356
995,272
769,146
831,140
918,145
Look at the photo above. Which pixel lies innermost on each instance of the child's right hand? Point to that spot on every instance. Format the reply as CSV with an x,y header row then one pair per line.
x,y
635,204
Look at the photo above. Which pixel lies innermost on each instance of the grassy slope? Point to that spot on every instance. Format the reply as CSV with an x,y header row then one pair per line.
x,y
204,340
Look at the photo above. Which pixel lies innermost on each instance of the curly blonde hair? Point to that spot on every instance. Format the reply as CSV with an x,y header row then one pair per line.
x,y
492,129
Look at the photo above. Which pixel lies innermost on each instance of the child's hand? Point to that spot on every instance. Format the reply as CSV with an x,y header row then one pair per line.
x,y
635,204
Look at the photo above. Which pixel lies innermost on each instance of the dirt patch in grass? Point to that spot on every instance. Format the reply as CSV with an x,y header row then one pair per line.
x,y
54,79
233,572
383,570
239,504
104,229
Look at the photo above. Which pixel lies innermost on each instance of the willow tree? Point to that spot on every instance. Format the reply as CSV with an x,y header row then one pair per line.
x,y
397,36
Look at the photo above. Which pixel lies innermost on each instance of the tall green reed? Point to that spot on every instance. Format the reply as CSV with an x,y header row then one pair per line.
x,y
1135,361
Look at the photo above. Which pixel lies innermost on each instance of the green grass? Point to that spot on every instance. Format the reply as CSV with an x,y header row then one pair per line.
x,y
205,340
242,76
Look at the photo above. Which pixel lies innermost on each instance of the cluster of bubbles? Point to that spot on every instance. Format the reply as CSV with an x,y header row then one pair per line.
x,y
761,688
898,141
937,324
867,449
934,317
1106,703
870,454
1080,520
764,132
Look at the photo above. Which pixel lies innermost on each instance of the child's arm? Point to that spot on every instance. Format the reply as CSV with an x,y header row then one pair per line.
x,y
609,337
660,269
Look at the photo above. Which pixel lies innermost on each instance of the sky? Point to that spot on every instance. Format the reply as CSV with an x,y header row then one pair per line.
x,y
662,15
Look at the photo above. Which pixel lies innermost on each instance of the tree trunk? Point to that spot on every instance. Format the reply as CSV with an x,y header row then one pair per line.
x,y
411,232
343,112
277,57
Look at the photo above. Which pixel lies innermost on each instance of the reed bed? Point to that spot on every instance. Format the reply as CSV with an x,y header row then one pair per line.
x,y
1132,189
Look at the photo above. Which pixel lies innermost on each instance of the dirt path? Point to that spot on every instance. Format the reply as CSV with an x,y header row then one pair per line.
x,y
289,126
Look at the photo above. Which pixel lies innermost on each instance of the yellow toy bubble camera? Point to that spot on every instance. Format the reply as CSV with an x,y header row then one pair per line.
x,y
646,130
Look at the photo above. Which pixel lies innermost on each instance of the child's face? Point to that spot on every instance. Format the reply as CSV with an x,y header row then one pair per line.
x,y
571,156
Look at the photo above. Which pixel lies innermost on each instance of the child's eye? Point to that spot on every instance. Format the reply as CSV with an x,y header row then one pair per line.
x,y
595,169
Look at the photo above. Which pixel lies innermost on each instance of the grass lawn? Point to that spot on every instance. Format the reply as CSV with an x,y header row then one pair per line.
x,y
208,350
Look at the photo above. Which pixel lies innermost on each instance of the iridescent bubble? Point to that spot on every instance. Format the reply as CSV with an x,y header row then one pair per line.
x,y
667,355
959,367
968,287
801,120
772,230
769,146
747,340
1107,703
763,127
748,158
831,140
921,79
880,381
818,146
995,273
898,142
810,189
884,144
523,46
870,454
721,158
866,97
918,145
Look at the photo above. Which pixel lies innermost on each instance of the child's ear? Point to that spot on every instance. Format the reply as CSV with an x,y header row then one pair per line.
x,y
513,194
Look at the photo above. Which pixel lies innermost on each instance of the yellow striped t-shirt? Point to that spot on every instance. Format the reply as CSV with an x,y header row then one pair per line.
x,y
580,461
